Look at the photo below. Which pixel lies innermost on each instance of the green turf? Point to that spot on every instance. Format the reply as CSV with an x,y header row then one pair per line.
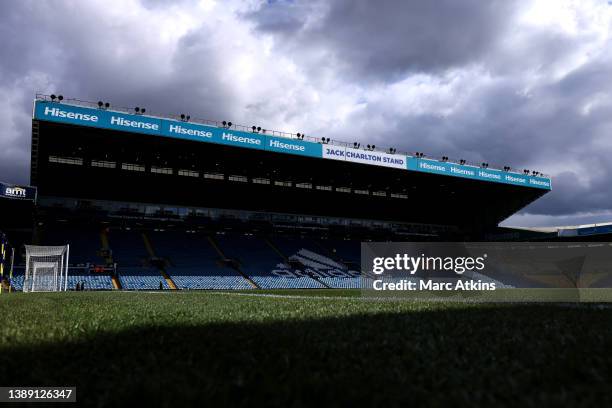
x,y
303,292
211,349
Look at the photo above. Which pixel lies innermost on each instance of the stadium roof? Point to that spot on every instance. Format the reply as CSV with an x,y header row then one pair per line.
x,y
573,230
89,153
97,115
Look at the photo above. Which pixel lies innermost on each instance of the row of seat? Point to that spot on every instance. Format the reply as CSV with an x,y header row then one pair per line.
x,y
90,281
195,261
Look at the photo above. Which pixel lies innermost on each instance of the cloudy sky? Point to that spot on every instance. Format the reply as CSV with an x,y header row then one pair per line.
x,y
527,83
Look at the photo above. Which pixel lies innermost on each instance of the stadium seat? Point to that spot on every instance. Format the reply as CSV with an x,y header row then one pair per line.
x,y
141,278
318,262
84,243
128,247
91,281
193,263
18,276
133,262
262,264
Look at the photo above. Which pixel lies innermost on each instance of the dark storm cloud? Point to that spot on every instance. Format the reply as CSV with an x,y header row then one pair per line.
x,y
482,86
385,39
54,47
511,120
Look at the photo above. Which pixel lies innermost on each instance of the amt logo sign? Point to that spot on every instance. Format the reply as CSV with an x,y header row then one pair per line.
x,y
16,192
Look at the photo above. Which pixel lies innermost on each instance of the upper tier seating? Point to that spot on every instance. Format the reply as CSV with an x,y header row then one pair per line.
x,y
128,248
133,266
84,243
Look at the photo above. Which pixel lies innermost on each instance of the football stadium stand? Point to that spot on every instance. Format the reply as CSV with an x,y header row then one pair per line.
x,y
153,201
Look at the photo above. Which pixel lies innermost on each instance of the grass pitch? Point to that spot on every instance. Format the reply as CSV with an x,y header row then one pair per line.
x,y
319,347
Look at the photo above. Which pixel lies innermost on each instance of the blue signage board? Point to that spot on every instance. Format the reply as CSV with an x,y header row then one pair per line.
x,y
476,173
78,115
15,192
108,119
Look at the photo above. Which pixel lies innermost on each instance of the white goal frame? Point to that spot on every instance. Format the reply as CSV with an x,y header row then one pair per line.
x,y
49,261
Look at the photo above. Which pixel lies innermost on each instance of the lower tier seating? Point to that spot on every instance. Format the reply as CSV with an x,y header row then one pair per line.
x,y
141,278
90,281
198,278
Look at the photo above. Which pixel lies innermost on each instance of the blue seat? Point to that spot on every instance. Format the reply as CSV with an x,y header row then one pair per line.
x,y
263,265
141,278
92,281
321,259
193,263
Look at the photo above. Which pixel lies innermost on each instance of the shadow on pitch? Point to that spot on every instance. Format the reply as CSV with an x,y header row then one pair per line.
x,y
493,355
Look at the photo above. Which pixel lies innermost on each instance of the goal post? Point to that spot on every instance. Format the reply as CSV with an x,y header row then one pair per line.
x,y
46,268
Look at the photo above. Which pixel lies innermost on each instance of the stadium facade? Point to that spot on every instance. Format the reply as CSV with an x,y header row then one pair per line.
x,y
151,201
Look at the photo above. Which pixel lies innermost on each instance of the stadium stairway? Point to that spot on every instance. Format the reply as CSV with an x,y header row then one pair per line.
x,y
135,271
153,255
109,258
263,265
288,261
116,283
194,264
218,250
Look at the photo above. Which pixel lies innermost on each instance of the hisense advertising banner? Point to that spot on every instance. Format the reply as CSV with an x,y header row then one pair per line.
x,y
475,271
107,119
78,115
476,173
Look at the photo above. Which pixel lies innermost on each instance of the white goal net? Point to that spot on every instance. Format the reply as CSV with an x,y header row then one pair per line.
x,y
46,268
